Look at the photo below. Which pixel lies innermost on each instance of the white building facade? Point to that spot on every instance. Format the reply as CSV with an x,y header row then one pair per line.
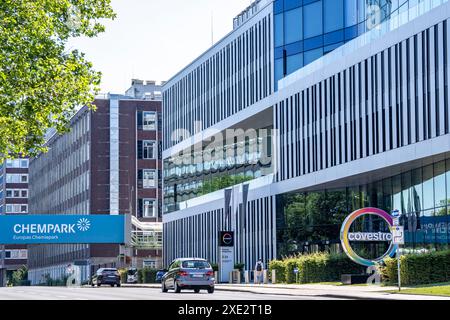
x,y
367,124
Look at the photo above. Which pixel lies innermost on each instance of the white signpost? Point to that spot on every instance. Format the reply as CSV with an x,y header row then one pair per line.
x,y
398,238
398,234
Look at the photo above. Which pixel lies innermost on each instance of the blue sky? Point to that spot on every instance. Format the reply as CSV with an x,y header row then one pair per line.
x,y
154,39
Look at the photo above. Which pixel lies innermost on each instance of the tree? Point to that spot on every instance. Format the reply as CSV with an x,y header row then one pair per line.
x,y
41,83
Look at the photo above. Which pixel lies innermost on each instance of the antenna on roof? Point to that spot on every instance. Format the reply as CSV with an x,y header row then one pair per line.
x,y
212,27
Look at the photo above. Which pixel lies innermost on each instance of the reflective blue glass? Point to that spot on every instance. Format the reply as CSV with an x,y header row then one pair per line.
x,y
293,25
331,47
313,43
333,37
312,55
294,63
294,48
333,15
291,4
313,20
279,30
279,72
278,6
351,13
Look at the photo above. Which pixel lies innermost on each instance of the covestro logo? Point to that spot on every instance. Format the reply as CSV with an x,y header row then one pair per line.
x,y
347,237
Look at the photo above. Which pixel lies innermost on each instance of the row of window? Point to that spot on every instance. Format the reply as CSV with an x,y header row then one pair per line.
x,y
17,163
16,193
228,81
16,208
392,99
16,178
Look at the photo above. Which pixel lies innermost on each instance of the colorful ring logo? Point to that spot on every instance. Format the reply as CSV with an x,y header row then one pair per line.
x,y
345,236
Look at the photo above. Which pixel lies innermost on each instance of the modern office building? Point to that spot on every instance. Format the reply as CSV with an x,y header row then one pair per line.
x,y
13,201
109,163
349,106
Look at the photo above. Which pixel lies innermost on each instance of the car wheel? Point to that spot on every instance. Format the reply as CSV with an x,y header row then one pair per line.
x,y
211,290
99,284
196,290
163,287
92,284
112,285
176,288
118,285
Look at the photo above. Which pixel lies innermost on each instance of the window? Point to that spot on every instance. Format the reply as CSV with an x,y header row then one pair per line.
x,y
149,178
16,193
293,26
16,208
149,208
149,264
149,120
334,15
313,19
17,163
148,150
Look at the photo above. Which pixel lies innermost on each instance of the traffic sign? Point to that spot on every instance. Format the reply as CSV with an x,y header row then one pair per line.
x,y
396,221
398,233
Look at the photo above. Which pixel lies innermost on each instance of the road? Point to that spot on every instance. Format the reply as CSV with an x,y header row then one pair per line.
x,y
107,293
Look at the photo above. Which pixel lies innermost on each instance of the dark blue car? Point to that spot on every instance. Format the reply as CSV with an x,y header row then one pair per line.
x,y
159,275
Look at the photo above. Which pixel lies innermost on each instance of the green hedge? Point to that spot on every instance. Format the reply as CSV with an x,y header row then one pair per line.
x,y
417,269
147,275
314,268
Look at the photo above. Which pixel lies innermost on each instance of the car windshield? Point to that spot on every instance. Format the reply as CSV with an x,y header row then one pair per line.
x,y
132,272
109,271
194,264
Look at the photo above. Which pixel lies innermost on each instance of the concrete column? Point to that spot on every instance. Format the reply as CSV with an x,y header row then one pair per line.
x,y
247,277
265,277
274,276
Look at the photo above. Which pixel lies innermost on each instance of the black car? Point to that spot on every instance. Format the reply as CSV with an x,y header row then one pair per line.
x,y
106,276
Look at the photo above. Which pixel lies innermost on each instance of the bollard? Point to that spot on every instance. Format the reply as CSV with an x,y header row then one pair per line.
x,y
247,277
238,277
265,277
274,276
216,276
231,277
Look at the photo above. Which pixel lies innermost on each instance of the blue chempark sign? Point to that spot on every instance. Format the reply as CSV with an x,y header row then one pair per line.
x,y
65,229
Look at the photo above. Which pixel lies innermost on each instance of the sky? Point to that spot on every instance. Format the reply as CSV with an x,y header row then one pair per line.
x,y
154,39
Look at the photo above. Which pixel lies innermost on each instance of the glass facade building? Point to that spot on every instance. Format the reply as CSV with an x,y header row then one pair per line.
x,y
305,30
364,122
197,173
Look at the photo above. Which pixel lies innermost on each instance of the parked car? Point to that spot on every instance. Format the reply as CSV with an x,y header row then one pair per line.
x,y
159,275
106,276
189,274
132,275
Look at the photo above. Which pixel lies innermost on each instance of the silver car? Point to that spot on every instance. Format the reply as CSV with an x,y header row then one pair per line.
x,y
189,274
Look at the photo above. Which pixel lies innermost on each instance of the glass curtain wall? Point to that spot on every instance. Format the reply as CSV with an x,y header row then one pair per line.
x,y
305,30
311,221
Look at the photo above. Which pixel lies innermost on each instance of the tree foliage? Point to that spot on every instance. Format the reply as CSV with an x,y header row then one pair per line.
x,y
41,82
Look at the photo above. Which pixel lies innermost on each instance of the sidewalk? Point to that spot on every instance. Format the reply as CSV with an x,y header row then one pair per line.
x,y
317,290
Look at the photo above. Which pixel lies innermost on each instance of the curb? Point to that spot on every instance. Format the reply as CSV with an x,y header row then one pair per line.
x,y
336,296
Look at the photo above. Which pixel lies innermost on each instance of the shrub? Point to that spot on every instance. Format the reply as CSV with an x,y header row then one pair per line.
x,y
147,275
417,269
20,276
239,266
313,268
123,275
279,268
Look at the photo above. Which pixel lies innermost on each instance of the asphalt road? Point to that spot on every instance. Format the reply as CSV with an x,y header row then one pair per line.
x,y
108,293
